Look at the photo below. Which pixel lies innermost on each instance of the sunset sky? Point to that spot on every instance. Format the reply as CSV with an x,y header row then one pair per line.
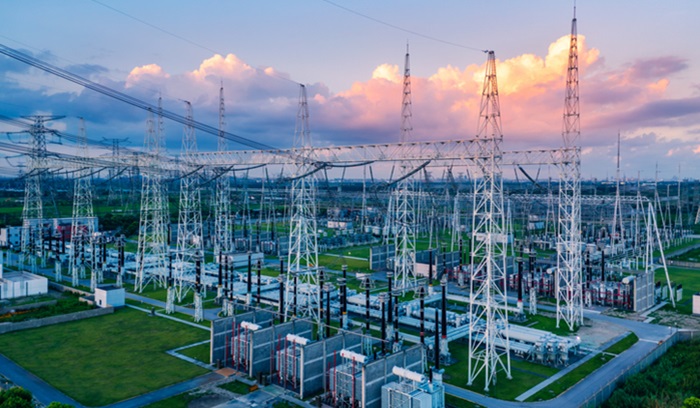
x,y
639,63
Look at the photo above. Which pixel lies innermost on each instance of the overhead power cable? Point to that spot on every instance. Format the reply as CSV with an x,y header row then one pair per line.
x,y
181,38
27,59
405,30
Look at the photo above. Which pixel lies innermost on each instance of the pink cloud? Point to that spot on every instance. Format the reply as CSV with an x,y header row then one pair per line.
x,y
148,72
446,103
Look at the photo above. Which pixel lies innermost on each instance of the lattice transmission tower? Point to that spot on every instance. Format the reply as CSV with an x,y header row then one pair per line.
x,y
82,227
489,347
302,259
568,280
189,230
32,240
152,255
223,222
404,197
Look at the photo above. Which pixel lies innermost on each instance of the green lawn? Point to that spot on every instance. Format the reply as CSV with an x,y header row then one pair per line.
x,y
548,324
525,375
178,401
236,387
623,344
200,352
565,382
336,263
106,359
689,278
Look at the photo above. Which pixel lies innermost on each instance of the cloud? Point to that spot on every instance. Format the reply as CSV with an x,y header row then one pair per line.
x,y
146,73
262,102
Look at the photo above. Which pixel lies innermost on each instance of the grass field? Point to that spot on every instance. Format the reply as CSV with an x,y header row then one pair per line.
x,y
689,278
525,375
199,353
106,359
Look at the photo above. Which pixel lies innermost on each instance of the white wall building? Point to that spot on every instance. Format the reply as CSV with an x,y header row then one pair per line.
x,y
109,296
20,284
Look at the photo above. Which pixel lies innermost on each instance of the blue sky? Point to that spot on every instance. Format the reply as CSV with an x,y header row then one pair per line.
x,y
641,74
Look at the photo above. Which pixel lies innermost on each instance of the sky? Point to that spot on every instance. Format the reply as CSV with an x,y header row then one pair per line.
x,y
639,71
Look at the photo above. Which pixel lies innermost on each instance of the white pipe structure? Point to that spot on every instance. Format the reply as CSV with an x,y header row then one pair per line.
x,y
408,374
351,355
302,341
250,326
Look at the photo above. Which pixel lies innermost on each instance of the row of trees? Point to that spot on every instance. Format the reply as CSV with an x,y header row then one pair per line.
x,y
672,381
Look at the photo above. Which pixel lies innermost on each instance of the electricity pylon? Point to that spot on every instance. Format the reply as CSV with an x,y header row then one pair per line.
x,y
568,284
303,241
82,223
404,218
489,347
152,256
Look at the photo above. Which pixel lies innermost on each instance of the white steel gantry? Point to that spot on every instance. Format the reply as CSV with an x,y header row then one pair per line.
x,y
489,347
568,285
404,218
302,259
82,225
152,252
189,228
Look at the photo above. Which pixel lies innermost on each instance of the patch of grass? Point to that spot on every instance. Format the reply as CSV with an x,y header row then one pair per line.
x,y
106,359
336,262
199,353
236,387
455,402
162,294
549,324
525,375
177,401
576,375
623,344
689,278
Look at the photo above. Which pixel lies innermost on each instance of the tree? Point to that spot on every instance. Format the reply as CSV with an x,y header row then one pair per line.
x,y
59,405
691,402
16,397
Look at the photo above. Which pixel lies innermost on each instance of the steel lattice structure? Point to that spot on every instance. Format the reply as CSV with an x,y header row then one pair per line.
x,y
82,226
152,255
302,259
189,229
568,276
489,348
404,218
223,223
33,210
